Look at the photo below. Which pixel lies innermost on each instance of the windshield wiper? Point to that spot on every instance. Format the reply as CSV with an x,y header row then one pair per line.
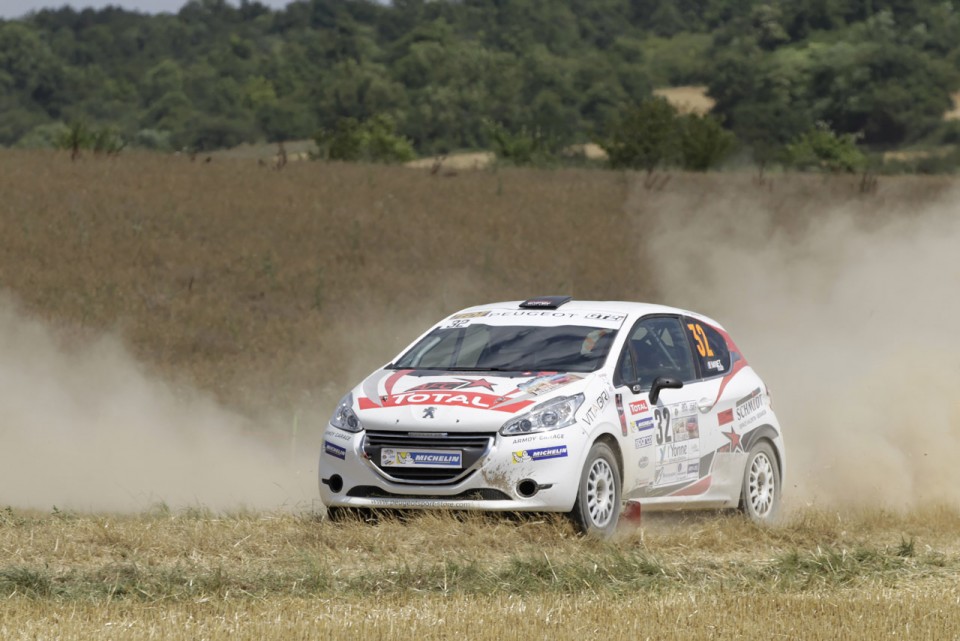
x,y
475,369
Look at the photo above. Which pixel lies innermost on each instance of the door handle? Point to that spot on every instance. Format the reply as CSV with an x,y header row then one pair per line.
x,y
704,405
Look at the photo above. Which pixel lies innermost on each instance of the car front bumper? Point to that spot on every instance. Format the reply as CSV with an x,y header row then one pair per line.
x,y
539,472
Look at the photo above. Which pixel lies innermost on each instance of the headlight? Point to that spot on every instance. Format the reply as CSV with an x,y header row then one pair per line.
x,y
344,417
545,417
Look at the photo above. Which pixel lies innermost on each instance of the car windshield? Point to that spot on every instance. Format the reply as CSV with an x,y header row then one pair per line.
x,y
510,348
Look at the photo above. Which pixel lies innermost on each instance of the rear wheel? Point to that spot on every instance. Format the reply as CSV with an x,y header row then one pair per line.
x,y
597,508
760,495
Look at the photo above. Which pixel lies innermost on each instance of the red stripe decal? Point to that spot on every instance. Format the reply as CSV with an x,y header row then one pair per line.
x,y
396,376
734,353
699,487
366,404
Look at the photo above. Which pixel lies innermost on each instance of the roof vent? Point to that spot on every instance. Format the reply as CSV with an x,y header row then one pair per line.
x,y
545,302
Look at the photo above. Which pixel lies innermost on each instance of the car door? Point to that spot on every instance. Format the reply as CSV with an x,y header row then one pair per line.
x,y
664,427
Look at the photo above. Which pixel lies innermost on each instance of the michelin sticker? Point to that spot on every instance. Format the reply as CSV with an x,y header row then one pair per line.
x,y
335,450
643,424
540,454
390,457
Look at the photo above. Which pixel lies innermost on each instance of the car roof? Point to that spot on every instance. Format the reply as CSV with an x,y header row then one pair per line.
x,y
633,309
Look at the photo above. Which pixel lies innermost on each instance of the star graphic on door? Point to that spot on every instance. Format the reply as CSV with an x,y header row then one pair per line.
x,y
734,444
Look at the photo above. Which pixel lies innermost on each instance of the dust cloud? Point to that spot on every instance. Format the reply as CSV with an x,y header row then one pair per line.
x,y
89,429
848,313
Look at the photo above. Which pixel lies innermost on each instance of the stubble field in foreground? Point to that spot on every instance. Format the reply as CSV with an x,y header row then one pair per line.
x,y
193,574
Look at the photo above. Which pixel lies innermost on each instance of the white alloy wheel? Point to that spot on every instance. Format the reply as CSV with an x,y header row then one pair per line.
x,y
601,492
597,507
760,497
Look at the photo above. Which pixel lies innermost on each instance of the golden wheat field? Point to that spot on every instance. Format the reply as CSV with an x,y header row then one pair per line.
x,y
173,334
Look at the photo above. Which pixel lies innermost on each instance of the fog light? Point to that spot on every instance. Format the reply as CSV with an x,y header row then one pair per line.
x,y
335,483
527,488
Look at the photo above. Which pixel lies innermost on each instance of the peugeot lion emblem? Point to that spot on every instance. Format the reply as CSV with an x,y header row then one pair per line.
x,y
428,412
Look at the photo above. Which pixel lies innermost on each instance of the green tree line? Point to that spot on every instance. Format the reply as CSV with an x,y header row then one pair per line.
x,y
464,74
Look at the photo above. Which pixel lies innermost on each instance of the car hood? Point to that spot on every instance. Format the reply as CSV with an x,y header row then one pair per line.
x,y
428,400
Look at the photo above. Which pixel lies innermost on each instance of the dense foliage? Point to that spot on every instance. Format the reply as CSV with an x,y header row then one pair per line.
x,y
478,73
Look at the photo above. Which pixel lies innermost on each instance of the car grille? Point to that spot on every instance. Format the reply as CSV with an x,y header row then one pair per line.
x,y
483,494
473,446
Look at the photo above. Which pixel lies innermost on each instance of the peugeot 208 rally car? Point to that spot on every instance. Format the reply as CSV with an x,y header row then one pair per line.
x,y
557,405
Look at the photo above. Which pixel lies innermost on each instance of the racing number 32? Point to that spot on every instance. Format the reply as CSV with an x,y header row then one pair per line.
x,y
700,336
662,416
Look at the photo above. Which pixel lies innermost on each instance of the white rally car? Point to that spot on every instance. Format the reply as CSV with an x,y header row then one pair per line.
x,y
557,405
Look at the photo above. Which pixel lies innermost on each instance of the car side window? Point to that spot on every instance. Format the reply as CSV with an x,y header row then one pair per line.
x,y
656,347
709,348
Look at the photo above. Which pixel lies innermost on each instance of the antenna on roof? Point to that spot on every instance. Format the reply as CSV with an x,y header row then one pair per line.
x,y
545,302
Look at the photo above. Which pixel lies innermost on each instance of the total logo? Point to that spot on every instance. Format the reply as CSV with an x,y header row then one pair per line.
x,y
475,400
639,407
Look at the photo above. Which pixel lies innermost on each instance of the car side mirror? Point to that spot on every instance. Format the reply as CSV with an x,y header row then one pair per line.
x,y
662,383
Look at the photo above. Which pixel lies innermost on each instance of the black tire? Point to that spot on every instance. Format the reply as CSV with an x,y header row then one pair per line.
x,y
597,508
760,492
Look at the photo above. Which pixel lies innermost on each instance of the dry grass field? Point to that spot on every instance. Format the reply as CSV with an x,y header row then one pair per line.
x,y
257,284
268,293
821,575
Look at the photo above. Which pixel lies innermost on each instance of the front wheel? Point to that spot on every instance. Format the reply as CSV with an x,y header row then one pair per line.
x,y
597,508
760,495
